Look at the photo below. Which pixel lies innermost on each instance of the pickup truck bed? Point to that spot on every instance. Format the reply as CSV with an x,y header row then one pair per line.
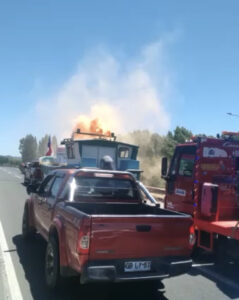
x,y
124,235
121,209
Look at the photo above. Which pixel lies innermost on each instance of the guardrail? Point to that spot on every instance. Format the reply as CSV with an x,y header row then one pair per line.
x,y
158,193
156,190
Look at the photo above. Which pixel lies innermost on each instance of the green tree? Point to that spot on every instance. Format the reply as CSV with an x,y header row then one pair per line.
x,y
181,134
10,160
178,136
3,160
42,145
54,144
28,148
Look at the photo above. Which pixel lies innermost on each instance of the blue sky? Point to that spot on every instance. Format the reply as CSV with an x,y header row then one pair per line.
x,y
184,54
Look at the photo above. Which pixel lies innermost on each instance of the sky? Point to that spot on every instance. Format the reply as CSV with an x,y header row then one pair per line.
x,y
133,64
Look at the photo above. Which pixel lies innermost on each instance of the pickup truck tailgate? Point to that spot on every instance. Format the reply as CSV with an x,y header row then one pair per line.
x,y
116,237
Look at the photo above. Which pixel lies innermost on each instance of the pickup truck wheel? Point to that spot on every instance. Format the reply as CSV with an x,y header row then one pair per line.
x,y
52,265
28,232
28,190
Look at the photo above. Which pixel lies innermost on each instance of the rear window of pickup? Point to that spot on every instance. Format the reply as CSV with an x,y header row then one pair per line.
x,y
82,189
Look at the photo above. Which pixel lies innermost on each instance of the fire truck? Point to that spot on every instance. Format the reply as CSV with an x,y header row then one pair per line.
x,y
203,180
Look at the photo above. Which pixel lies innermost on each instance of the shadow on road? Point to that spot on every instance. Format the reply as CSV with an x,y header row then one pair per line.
x,y
225,276
31,256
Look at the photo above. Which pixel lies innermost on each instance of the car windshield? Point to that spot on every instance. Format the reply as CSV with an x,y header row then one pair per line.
x,y
90,187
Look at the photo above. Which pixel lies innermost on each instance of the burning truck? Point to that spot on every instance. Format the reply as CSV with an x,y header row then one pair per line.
x,y
98,150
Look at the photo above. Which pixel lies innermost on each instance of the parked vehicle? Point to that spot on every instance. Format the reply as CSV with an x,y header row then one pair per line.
x,y
203,180
33,173
37,170
27,173
98,226
22,167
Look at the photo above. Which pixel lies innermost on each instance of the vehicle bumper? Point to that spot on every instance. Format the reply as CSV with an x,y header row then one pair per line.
x,y
113,270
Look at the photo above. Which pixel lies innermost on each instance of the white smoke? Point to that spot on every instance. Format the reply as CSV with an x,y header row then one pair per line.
x,y
124,95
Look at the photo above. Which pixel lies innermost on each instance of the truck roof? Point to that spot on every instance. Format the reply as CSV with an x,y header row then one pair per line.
x,y
209,140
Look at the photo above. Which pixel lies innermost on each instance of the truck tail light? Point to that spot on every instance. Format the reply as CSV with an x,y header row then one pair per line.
x,y
83,246
192,236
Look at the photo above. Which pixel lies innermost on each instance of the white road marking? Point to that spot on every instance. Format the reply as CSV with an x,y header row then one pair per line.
x,y
14,289
11,173
3,280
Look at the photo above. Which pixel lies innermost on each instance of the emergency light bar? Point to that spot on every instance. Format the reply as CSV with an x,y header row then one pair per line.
x,y
230,133
234,136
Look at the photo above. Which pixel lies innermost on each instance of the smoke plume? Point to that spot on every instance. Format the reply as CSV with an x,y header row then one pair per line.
x,y
123,95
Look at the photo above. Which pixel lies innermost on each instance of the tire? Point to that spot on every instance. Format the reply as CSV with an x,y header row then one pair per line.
x,y
52,264
28,190
28,232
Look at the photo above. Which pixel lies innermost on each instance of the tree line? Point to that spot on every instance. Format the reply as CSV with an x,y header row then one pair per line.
x,y
9,160
31,149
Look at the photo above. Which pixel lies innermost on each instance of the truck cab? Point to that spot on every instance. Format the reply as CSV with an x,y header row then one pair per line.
x,y
180,179
203,180
203,161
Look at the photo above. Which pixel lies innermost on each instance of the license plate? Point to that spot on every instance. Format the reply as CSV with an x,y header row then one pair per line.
x,y
137,266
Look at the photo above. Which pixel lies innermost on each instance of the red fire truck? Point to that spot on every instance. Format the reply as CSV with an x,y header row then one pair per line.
x,y
203,180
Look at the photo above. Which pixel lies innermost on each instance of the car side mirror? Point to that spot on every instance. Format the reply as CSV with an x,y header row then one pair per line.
x,y
32,188
164,167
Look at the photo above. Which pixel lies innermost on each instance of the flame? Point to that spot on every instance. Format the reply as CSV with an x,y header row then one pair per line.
x,y
86,125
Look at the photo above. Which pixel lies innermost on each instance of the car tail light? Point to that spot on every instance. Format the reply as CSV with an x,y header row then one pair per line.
x,y
192,236
83,246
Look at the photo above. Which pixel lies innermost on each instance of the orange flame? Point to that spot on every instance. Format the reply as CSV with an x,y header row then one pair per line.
x,y
89,126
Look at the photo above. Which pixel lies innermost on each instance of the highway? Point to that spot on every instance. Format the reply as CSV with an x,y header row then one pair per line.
x,y
22,265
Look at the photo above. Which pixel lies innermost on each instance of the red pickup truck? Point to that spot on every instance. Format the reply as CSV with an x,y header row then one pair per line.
x,y
98,225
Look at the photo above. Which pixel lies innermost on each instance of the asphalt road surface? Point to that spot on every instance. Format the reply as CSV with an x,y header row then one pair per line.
x,y
22,265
